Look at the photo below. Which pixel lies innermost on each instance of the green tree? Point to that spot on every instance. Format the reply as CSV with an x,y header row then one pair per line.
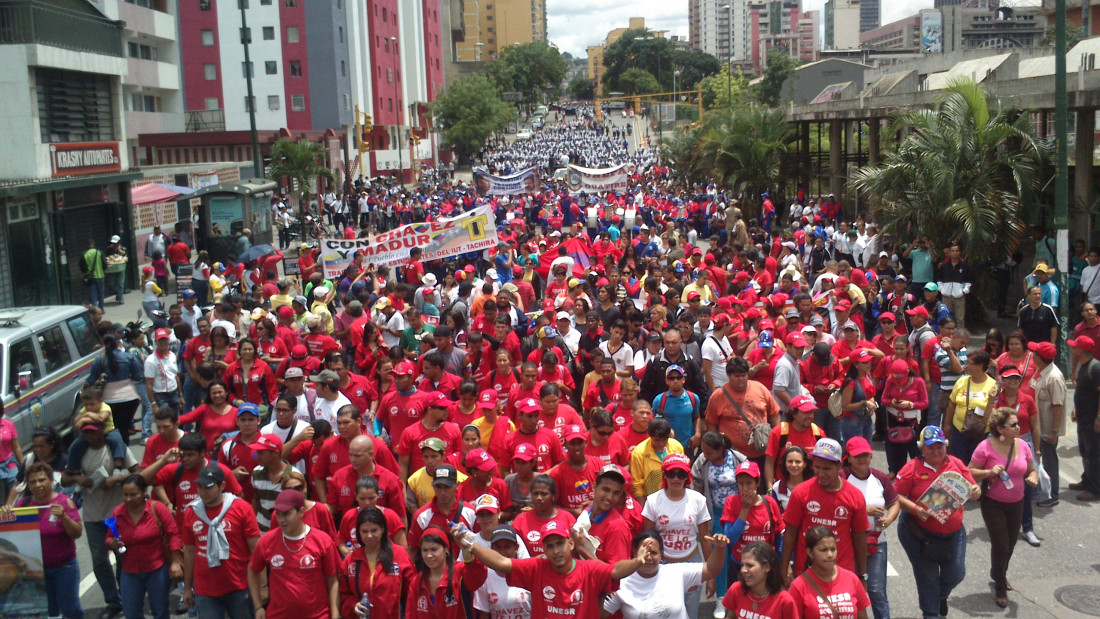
x,y
693,66
301,163
681,153
581,88
469,110
718,90
529,68
638,82
747,149
961,172
780,67
639,49
1074,35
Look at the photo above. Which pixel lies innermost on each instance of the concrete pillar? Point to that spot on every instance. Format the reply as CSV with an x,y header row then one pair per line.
x,y
1082,168
873,141
836,165
805,165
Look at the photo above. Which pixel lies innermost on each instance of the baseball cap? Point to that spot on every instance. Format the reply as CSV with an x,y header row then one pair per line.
x,y
289,499
748,467
445,475
91,427
932,286
842,305
267,442
1011,372
721,320
403,369
562,316
827,449
574,432
294,372
919,310
791,312
653,337
528,406
382,303
504,533
524,451
931,435
327,377
611,470
693,296
481,460
794,338
899,368
857,445
210,475
574,282
259,313
301,300
803,403
765,339
861,356
487,502
188,294
437,399
248,408
808,329
285,311
163,334
434,443
488,398
675,368
1083,342
554,528
676,461
887,316
851,324
115,238
547,331
1045,350
299,352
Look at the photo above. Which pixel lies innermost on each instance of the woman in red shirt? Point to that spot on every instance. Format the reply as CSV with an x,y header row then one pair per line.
x,y
272,349
377,568
435,591
314,514
248,378
857,396
366,497
826,590
144,527
759,587
216,416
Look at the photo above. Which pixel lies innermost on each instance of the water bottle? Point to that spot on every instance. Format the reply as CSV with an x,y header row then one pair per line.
x,y
365,603
1006,480
463,532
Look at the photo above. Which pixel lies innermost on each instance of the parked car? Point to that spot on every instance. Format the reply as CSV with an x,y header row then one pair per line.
x,y
525,134
46,353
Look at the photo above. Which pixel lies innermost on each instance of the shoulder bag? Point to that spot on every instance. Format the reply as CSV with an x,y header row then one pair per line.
x,y
821,594
759,433
974,425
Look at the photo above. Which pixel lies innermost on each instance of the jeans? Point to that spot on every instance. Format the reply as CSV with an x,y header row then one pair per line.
x,y
123,414
932,415
855,426
63,590
114,441
238,605
202,289
1002,521
876,581
1088,442
150,307
168,398
962,446
96,532
115,283
97,291
829,425
721,584
192,395
147,422
935,581
1027,522
136,586
1050,463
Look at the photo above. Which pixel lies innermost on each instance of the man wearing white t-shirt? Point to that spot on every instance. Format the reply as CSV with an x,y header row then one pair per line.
x,y
329,398
716,351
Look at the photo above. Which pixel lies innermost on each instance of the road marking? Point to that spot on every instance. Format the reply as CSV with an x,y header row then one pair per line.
x,y
89,581
890,571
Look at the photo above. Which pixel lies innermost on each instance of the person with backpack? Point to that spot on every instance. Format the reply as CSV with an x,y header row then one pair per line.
x,y
680,407
798,428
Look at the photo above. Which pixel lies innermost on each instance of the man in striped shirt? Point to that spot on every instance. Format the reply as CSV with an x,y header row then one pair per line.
x,y
267,477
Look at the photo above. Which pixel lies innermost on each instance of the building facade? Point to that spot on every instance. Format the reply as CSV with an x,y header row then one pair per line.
x,y
903,34
842,24
781,26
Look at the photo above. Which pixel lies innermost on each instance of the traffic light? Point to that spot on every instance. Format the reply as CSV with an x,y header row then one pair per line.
x,y
364,133
368,123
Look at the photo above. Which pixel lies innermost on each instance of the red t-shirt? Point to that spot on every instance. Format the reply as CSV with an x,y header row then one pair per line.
x,y
346,536
778,606
517,393
846,593
295,579
359,391
501,381
621,416
632,437
916,476
565,415
340,491
240,526
766,374
615,535
397,411
806,439
239,454
529,528
576,594
546,445
461,419
844,512
1025,409
611,451
185,491
414,436
575,488
467,492
600,394
414,271
156,447
762,525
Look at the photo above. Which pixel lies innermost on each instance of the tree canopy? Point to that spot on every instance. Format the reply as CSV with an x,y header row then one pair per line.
x,y
638,82
300,162
693,65
581,88
468,111
639,49
720,89
528,69
780,67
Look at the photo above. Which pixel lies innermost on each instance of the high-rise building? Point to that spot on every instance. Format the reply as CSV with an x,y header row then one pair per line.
x,y
870,14
492,25
781,24
903,34
720,28
842,24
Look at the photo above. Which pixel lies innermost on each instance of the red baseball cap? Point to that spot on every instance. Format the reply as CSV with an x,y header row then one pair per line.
x,y
285,311
299,351
574,432
163,334
481,460
488,398
553,528
861,356
525,452
843,306
721,320
857,445
693,296
1083,342
403,369
794,338
887,316
748,467
919,310
267,442
437,399
529,406
677,461
899,368
1045,350
1011,372
803,403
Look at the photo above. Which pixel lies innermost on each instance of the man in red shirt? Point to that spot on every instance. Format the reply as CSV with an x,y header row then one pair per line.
x,y
527,388
434,424
284,328
318,341
545,442
168,436
355,387
173,476
211,586
444,509
414,270
575,477
334,452
850,343
178,254
605,391
481,469
341,489
436,377
638,430
403,406
236,452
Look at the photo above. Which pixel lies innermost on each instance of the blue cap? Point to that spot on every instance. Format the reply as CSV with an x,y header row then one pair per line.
x,y
636,229
675,368
248,407
678,267
931,435
765,339
187,294
765,195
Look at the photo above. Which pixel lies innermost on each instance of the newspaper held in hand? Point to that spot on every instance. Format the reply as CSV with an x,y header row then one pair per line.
x,y
948,493
582,526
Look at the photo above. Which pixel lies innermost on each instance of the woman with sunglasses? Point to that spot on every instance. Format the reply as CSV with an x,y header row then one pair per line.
x,y
680,515
1014,396
1003,464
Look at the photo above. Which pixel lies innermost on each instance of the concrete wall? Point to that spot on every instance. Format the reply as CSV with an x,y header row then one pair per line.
x,y
330,64
810,80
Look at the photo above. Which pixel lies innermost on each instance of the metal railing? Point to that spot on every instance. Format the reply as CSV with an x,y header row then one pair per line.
x,y
30,22
205,120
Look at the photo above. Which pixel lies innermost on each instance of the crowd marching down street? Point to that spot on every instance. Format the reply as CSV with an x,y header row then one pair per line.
x,y
636,400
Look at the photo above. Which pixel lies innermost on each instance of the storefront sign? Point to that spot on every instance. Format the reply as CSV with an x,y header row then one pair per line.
x,y
80,158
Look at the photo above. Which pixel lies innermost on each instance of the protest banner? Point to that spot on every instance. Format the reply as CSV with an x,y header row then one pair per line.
x,y
525,181
601,180
468,232
22,575
291,266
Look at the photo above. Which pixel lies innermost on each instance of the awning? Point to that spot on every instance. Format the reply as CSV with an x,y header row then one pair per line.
x,y
154,193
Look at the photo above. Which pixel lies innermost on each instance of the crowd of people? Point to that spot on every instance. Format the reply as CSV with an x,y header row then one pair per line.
x,y
589,419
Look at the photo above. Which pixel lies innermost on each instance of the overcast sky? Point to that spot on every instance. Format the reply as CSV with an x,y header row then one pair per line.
x,y
576,24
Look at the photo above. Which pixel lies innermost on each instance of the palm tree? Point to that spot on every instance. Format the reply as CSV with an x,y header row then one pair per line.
x,y
961,172
300,162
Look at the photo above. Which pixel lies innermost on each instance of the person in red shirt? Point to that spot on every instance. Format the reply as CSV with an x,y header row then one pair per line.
x,y
544,499
366,497
178,254
604,392
576,475
749,517
481,469
828,501
402,407
502,377
436,377
341,495
763,358
885,341
560,585
638,430
622,412
453,581
356,388
850,343
414,270
444,508
842,592
168,435
334,452
608,526
603,443
289,587
546,443
249,379
284,329
527,388
317,340
236,453
210,586
553,413
376,567
798,429
434,424
174,475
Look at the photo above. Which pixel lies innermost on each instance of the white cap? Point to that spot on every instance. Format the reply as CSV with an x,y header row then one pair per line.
x,y
562,316
116,238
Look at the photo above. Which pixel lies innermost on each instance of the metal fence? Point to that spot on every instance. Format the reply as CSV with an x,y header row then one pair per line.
x,y
30,22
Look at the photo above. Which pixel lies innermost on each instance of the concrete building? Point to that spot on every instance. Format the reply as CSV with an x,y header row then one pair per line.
x,y
903,34
65,169
870,15
967,28
1078,13
782,26
720,28
596,52
842,24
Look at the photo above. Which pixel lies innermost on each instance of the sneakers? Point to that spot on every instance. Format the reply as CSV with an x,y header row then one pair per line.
x,y
719,611
1088,497
1048,502
1031,538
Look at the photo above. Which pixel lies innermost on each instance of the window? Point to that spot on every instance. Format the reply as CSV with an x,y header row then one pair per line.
x,y
210,71
273,102
137,50
23,358
212,103
340,30
389,76
386,44
295,68
249,103
343,69
74,107
246,69
290,3
204,5
391,104
246,35
265,2
271,67
84,334
292,34
488,18
298,103
384,14
55,350
144,103
269,33
347,103
207,38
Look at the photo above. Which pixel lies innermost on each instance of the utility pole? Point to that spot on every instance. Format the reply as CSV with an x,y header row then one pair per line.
x,y
246,39
397,110
1061,179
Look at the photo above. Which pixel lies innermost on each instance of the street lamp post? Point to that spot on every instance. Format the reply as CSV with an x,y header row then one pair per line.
x,y
246,38
729,57
397,110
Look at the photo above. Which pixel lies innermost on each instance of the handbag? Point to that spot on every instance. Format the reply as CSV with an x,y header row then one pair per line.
x,y
974,425
759,434
160,529
901,434
836,404
821,594
934,548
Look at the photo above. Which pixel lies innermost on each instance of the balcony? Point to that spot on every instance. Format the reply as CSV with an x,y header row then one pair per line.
x,y
204,120
33,22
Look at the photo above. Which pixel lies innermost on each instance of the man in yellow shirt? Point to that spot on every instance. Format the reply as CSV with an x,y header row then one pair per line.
x,y
648,456
419,491
700,285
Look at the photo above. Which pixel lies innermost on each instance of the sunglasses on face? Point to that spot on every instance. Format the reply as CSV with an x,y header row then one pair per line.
x,y
676,474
